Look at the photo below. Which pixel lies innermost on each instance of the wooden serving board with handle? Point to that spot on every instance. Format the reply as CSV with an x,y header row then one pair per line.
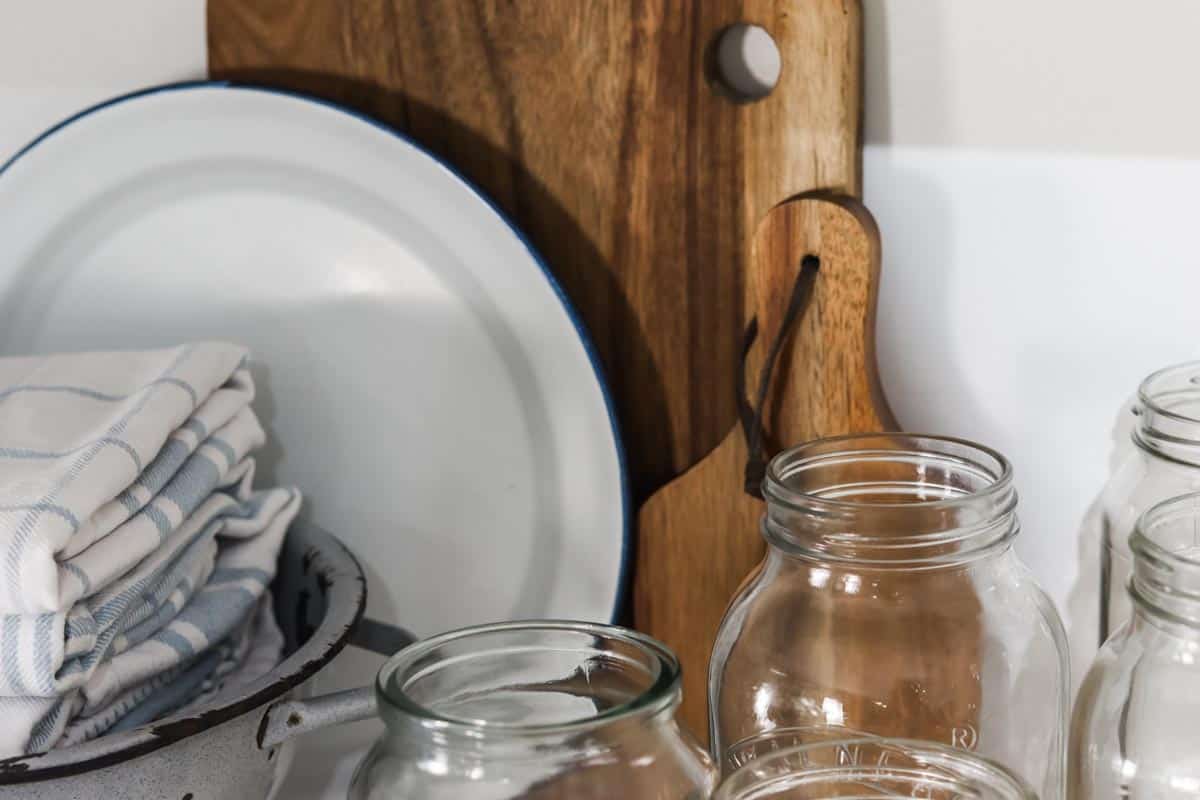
x,y
600,129
698,536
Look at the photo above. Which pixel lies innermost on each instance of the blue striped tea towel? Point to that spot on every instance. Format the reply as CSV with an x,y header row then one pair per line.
x,y
134,564
80,441
132,545
249,535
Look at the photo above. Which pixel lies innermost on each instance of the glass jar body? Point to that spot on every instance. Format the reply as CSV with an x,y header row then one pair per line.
x,y
541,710
969,655
1134,733
654,759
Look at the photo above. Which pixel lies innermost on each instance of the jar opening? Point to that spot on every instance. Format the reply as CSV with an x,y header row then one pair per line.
x,y
890,497
529,678
1168,410
1166,551
873,768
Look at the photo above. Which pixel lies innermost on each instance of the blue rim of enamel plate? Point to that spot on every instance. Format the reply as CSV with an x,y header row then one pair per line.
x,y
572,314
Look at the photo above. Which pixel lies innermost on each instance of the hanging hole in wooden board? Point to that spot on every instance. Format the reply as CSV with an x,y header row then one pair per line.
x,y
744,62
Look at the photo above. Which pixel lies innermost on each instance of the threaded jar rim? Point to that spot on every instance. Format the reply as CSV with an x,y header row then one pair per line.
x,y
1156,390
1168,412
890,763
900,499
989,464
1166,550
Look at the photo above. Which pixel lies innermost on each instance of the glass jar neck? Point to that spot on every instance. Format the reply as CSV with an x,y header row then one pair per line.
x,y
550,748
890,500
1166,562
527,689
1168,414
873,767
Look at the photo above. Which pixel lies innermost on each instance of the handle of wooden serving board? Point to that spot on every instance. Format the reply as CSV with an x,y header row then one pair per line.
x,y
826,380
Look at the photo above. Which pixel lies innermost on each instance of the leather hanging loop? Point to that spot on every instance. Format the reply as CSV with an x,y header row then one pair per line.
x,y
751,415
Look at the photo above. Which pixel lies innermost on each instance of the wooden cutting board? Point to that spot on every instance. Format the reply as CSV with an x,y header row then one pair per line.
x,y
600,129
699,534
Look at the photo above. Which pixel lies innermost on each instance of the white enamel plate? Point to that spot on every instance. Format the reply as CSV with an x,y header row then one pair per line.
x,y
425,383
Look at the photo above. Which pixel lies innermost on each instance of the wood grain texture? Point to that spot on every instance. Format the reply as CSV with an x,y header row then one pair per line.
x,y
825,381
699,534
596,126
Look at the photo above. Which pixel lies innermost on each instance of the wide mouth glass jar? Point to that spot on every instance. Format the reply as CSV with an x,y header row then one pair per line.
x,y
891,601
533,710
873,768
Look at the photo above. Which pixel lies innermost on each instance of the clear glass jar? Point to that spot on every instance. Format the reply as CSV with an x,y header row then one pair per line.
x,y
873,767
1163,463
533,710
1136,729
890,601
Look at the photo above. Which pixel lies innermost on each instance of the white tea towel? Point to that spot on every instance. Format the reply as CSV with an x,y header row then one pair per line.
x,y
76,431
250,535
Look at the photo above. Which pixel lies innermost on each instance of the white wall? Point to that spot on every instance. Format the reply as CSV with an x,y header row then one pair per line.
x,y
1033,168
1101,77
59,56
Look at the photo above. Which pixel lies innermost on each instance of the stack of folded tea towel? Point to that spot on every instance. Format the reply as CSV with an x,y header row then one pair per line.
x,y
134,553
